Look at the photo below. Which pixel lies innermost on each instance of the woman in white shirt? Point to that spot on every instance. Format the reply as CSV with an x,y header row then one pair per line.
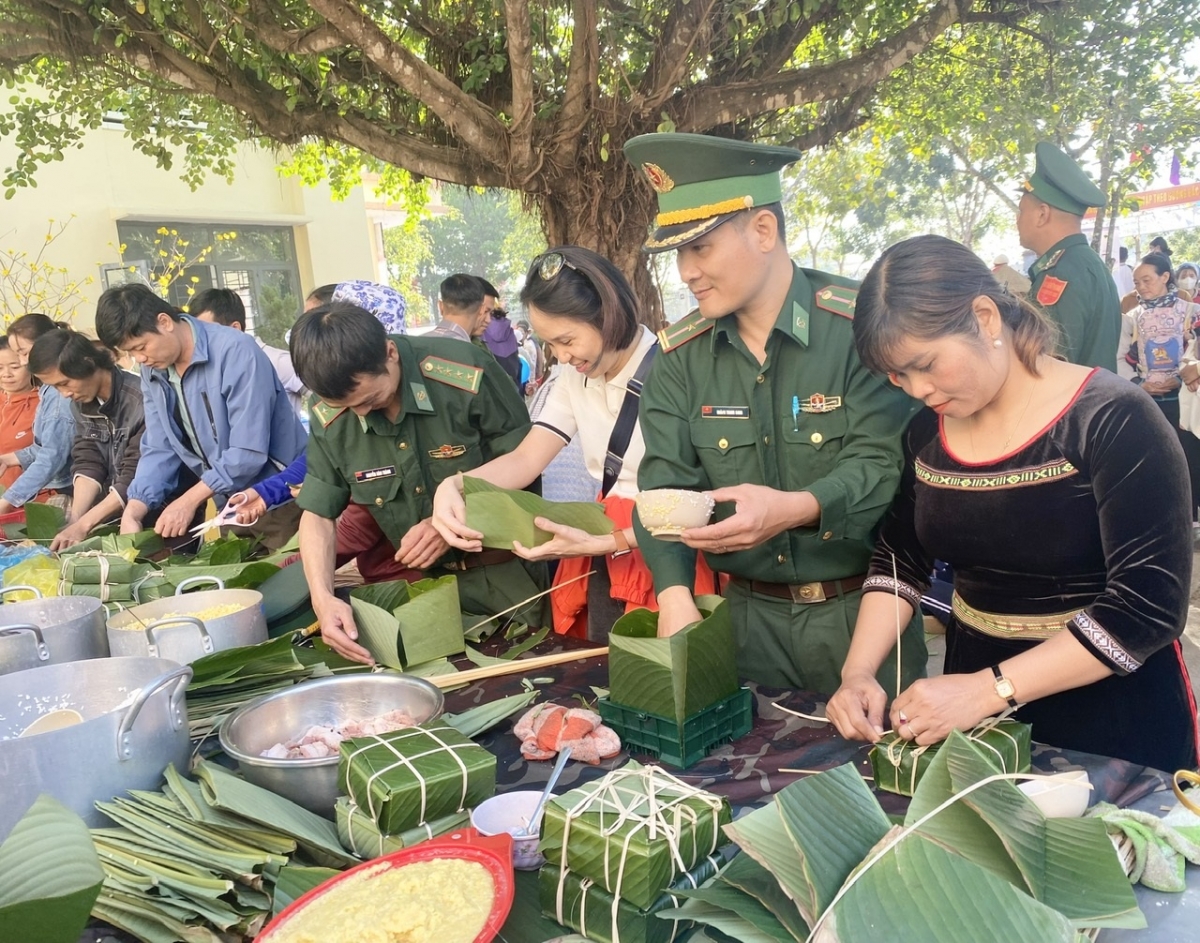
x,y
581,305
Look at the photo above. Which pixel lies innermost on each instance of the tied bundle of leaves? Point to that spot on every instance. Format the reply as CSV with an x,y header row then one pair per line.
x,y
52,876
976,860
208,858
504,516
405,624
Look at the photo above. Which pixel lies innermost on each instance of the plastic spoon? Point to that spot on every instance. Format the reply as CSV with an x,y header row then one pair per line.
x,y
535,820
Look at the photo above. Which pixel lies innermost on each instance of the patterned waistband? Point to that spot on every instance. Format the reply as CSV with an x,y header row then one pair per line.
x,y
1004,625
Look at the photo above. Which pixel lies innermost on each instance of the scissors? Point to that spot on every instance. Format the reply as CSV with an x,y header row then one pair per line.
x,y
227,517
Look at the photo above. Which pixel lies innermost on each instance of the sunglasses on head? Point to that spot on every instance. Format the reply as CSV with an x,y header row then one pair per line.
x,y
549,265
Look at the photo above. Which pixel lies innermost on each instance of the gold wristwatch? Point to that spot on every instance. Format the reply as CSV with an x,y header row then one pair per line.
x,y
1004,687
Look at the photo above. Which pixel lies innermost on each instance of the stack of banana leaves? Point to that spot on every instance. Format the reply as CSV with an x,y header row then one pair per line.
x,y
209,859
224,681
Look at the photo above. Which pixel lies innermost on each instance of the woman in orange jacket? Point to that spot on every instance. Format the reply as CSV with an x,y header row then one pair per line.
x,y
580,304
18,402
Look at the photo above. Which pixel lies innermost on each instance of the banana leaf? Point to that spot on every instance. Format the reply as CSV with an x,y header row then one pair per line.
x,y
483,717
504,516
943,880
405,624
294,882
115,567
52,876
999,828
43,521
751,878
726,921
235,575
676,676
223,790
362,836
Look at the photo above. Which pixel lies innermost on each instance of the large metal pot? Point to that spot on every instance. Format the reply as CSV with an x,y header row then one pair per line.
x,y
50,630
331,702
169,627
134,725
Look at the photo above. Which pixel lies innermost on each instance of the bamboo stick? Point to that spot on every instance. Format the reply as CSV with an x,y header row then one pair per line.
x,y
514,667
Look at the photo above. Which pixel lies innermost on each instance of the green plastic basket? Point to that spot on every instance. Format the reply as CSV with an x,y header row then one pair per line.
x,y
681,744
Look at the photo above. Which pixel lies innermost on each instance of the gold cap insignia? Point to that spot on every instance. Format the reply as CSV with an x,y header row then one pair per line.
x,y
659,179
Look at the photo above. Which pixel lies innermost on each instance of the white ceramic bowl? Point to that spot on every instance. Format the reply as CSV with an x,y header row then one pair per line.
x,y
668,512
1062,796
509,812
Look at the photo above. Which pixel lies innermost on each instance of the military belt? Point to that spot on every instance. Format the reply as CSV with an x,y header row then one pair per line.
x,y
484,558
804,593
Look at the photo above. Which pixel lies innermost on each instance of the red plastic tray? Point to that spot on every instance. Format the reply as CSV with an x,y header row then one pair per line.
x,y
494,852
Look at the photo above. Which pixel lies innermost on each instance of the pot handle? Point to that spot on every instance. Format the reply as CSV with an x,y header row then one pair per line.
x,y
43,652
175,710
202,578
206,641
37,593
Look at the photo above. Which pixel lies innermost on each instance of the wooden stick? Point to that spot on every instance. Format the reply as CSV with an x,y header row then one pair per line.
x,y
514,667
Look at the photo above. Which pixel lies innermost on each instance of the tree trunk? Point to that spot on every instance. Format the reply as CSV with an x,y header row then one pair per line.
x,y
605,207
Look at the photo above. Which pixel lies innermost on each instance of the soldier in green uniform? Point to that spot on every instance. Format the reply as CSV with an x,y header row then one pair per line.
x,y
760,397
1070,282
397,415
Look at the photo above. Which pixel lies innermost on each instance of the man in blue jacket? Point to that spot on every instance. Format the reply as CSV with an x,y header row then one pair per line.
x,y
217,418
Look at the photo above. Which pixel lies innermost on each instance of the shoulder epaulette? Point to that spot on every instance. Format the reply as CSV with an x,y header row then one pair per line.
x,y
685,329
322,412
461,376
837,299
1053,260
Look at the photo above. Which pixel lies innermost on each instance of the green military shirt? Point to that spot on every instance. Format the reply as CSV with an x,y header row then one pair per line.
x,y
1074,287
459,409
713,416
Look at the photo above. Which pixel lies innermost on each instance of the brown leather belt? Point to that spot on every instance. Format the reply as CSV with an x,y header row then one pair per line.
x,y
804,593
484,558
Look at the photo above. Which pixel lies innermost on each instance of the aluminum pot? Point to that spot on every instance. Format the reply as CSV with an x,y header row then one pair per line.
x,y
50,630
168,628
134,725
287,714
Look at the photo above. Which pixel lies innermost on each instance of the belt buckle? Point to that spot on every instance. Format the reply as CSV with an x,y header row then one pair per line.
x,y
803,593
458,565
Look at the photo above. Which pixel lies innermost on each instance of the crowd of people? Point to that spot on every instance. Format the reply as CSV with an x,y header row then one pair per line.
x,y
852,436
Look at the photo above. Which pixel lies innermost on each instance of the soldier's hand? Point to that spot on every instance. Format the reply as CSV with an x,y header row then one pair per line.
x,y
856,708
677,610
338,629
760,513
422,546
567,542
450,517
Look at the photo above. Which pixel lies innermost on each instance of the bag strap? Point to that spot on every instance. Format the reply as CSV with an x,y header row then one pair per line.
x,y
618,442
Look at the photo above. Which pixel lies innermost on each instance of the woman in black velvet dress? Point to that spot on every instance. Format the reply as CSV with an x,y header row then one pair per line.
x,y
1058,493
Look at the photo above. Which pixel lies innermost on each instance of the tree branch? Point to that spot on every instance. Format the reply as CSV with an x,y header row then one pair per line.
x,y
315,40
669,65
835,123
519,39
707,106
573,116
466,118
985,179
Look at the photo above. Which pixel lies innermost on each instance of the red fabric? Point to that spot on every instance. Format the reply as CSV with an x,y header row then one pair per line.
x,y
16,427
630,577
359,536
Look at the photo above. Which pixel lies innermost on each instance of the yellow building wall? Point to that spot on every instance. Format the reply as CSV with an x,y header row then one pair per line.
x,y
107,180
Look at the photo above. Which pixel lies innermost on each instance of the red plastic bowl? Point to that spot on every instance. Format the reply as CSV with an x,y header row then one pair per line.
x,y
494,852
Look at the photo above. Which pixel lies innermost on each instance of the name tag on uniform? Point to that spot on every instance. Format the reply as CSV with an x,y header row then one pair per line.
x,y
387,471
724,412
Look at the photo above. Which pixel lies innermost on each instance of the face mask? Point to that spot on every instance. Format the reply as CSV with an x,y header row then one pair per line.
x,y
1188,282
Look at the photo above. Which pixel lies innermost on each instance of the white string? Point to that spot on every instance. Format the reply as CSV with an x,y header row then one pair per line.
x,y
406,761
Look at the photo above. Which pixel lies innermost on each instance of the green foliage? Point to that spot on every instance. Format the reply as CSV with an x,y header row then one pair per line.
x,y
277,313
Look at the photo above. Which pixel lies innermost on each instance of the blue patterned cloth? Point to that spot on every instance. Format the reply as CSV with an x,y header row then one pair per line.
x,y
387,304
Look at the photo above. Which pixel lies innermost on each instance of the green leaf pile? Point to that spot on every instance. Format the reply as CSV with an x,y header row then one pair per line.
x,y
504,516
989,867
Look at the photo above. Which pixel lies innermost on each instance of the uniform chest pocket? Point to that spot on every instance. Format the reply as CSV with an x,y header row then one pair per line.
x,y
94,432
374,487
819,431
728,451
